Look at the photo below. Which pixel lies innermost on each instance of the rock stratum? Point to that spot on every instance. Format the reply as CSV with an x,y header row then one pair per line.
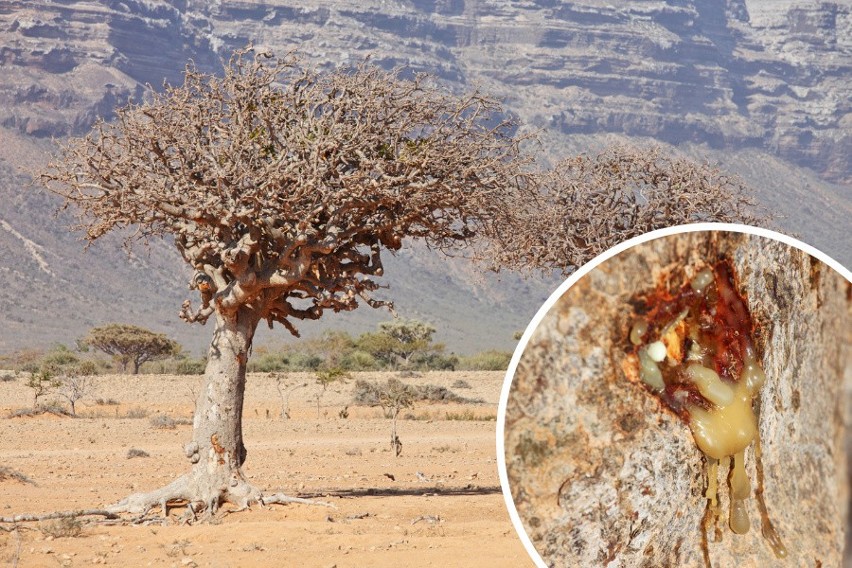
x,y
761,85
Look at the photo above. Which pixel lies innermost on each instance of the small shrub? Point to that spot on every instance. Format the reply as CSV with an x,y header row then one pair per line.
x,y
469,416
9,473
59,358
136,412
136,453
269,363
106,402
439,362
368,393
50,408
8,376
305,362
461,384
163,422
22,412
55,407
87,368
67,527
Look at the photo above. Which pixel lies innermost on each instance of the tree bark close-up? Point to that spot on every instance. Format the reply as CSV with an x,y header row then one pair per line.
x,y
602,473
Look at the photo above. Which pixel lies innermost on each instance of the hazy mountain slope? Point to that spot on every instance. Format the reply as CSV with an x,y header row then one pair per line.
x,y
761,86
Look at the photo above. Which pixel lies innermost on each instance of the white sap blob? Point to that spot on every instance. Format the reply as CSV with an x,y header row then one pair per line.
x,y
657,351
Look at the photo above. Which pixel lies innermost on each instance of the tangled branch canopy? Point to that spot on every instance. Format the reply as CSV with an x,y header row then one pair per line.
x,y
586,205
282,185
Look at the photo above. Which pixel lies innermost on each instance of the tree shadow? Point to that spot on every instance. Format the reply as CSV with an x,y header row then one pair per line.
x,y
428,490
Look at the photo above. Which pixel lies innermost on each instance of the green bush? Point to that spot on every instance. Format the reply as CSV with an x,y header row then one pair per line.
x,y
359,361
492,360
190,367
269,363
304,362
437,362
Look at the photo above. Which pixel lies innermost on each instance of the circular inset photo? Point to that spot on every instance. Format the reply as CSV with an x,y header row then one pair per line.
x,y
683,400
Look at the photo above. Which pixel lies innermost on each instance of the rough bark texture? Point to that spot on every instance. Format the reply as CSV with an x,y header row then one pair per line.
x,y
216,449
603,475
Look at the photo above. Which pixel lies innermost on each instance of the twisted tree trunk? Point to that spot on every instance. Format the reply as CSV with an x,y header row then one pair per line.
x,y
216,450
602,474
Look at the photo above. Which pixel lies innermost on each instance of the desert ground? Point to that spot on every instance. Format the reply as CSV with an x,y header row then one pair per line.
x,y
437,504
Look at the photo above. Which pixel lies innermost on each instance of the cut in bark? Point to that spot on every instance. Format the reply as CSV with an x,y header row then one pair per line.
x,y
602,473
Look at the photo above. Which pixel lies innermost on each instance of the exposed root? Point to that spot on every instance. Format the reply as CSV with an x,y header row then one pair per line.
x,y
141,503
280,498
200,505
60,515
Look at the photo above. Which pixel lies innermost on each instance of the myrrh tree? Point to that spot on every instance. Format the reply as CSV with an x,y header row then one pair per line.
x,y
588,204
282,187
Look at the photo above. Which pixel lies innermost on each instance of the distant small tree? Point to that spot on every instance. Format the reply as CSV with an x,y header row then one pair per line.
x,y
285,391
325,378
74,384
333,346
131,345
393,396
399,341
42,382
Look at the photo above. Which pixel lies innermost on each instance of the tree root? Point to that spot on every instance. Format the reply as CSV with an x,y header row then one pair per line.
x,y
200,506
280,498
59,515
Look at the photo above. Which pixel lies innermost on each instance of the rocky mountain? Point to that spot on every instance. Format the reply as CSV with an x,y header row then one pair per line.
x,y
761,85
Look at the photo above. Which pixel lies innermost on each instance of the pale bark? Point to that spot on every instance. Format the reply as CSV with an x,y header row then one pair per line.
x,y
216,450
603,475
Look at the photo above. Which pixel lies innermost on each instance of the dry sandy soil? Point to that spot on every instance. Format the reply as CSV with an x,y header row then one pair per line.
x,y
443,507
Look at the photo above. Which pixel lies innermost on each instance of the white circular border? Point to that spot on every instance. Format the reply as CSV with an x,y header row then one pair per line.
x,y
582,271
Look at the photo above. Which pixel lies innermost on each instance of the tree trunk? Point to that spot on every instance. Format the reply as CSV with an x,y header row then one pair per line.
x,y
216,450
602,474
136,365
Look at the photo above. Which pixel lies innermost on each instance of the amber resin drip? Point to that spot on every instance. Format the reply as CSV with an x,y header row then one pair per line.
x,y
696,353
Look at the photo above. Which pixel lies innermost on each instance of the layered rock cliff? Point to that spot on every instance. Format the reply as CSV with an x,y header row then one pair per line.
x,y
766,78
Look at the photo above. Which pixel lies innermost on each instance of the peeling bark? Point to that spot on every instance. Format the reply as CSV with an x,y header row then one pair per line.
x,y
602,474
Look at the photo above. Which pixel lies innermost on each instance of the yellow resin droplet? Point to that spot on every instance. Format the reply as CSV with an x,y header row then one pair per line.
x,y
752,375
649,372
710,385
712,481
727,430
639,329
740,484
702,280
739,517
